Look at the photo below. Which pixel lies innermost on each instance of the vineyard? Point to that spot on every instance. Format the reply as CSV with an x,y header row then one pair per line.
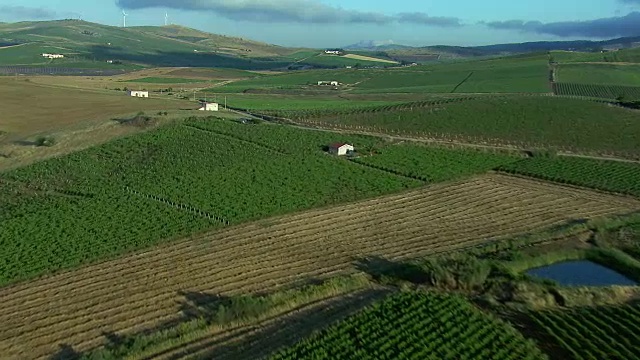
x,y
433,164
145,290
597,91
416,325
593,333
600,74
141,190
529,122
611,176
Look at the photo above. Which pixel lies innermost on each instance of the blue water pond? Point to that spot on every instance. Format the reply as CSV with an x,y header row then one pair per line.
x,y
581,273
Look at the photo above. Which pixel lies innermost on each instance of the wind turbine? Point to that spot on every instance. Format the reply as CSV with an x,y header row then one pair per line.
x,y
166,18
124,18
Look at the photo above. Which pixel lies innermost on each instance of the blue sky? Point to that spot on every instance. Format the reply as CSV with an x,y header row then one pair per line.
x,y
333,23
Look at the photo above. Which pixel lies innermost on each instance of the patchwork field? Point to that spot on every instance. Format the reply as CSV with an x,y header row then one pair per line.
x,y
146,289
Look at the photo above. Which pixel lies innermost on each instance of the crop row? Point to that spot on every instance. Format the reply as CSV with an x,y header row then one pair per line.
x,y
434,164
614,176
594,333
417,325
597,91
300,114
142,290
561,123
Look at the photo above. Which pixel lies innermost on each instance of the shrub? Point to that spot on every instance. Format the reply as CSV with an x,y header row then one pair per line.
x,y
45,141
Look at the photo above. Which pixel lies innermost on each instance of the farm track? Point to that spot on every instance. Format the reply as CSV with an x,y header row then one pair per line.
x,y
142,290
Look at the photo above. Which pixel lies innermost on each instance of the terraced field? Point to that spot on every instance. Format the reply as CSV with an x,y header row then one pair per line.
x,y
147,289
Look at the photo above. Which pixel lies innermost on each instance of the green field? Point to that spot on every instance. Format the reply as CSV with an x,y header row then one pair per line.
x,y
166,80
604,332
416,325
612,176
623,75
87,43
523,121
285,104
622,56
433,164
85,206
518,75
609,92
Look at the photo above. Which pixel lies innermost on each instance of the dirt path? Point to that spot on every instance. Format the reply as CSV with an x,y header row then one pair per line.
x,y
146,289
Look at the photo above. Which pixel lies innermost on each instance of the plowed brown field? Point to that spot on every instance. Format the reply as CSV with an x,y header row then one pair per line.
x,y
142,290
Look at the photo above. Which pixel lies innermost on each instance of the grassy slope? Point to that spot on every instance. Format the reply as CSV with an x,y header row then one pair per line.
x,y
82,42
602,74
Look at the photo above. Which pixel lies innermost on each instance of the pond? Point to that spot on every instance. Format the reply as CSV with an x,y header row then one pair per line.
x,y
581,273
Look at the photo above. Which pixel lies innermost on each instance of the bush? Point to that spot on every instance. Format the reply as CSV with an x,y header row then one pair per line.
x,y
45,141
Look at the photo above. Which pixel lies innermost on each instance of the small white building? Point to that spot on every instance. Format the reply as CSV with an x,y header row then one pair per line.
x,y
332,83
139,93
341,149
333,52
53,56
207,106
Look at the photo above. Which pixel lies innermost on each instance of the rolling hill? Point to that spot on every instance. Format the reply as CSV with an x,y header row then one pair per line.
x,y
90,45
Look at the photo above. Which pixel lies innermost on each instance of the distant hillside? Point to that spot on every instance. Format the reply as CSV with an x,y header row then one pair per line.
x,y
443,52
87,44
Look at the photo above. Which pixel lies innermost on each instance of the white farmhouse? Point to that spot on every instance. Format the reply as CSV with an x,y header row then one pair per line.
x,y
53,56
341,149
138,93
206,106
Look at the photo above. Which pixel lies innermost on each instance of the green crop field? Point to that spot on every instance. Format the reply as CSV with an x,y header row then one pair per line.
x,y
504,75
610,92
523,121
613,176
166,80
619,56
600,74
144,189
434,164
284,104
415,325
593,333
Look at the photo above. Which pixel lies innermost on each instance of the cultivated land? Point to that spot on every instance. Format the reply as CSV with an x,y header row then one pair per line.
x,y
209,237
143,290
60,107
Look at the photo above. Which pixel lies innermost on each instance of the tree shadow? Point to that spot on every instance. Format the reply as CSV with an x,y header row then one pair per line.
x,y
384,270
200,305
66,352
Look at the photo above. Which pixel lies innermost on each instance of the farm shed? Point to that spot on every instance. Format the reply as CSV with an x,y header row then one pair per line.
x,y
341,149
140,94
332,83
206,106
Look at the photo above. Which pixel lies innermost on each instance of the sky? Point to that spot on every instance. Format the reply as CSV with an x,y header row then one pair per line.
x,y
337,23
